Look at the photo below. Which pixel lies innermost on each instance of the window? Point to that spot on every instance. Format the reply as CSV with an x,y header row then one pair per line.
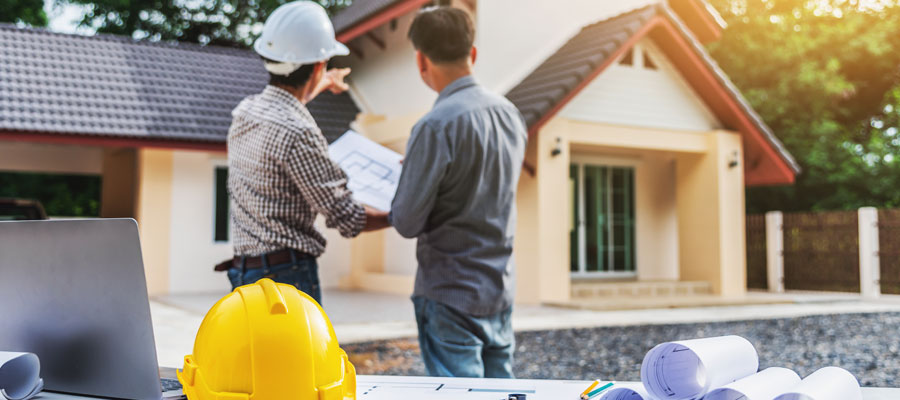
x,y
222,216
628,58
61,195
648,62
602,237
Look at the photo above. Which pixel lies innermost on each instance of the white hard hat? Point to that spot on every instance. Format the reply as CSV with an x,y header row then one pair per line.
x,y
299,33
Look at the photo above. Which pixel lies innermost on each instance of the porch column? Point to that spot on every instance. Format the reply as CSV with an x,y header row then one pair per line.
x,y
710,197
154,215
541,246
119,183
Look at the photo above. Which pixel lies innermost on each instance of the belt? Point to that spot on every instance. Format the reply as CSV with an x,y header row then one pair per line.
x,y
276,257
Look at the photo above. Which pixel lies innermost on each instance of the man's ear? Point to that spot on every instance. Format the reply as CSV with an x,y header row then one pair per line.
x,y
474,54
421,62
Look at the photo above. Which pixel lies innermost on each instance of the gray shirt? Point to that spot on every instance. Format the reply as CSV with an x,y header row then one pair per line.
x,y
457,195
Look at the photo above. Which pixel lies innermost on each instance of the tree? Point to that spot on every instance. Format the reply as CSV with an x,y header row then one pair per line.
x,y
29,12
220,22
824,75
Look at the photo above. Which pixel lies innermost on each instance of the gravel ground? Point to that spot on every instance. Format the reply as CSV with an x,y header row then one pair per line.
x,y
865,344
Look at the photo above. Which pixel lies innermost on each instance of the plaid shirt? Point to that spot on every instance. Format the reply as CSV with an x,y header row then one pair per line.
x,y
280,177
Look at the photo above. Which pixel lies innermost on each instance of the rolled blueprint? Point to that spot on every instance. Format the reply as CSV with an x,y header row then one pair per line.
x,y
19,375
689,369
627,391
829,383
764,385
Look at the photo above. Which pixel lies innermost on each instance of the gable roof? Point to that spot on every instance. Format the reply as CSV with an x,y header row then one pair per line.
x,y
115,87
361,16
584,57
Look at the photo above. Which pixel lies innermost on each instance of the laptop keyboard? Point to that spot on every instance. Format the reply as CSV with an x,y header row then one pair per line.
x,y
169,385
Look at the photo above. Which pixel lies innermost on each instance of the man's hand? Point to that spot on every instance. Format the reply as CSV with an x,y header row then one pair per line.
x,y
375,220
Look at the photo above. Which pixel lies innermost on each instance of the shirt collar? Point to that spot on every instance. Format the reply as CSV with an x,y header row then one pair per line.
x,y
282,97
455,86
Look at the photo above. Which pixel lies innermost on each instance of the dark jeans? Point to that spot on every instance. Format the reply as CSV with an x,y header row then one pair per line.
x,y
302,273
460,345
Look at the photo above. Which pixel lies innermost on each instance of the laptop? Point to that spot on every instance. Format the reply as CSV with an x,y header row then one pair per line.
x,y
74,293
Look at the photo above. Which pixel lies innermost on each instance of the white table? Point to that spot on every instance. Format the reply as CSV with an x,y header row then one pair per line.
x,y
425,388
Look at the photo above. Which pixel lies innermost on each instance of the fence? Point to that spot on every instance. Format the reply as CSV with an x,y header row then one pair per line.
x,y
847,251
756,252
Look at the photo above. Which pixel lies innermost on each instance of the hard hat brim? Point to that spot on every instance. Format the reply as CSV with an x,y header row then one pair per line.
x,y
337,49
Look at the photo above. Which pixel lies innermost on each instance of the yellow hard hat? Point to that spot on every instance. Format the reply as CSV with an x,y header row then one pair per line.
x,y
267,341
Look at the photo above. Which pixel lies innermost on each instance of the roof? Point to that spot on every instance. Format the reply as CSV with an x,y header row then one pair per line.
x,y
112,86
358,11
561,76
361,16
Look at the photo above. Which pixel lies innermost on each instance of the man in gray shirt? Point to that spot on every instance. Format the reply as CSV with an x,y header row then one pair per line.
x,y
457,195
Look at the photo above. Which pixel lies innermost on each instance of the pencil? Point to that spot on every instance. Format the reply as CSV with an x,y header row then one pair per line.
x,y
588,390
599,390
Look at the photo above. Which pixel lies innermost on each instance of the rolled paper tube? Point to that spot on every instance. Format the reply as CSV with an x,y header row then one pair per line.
x,y
689,369
627,391
829,383
764,385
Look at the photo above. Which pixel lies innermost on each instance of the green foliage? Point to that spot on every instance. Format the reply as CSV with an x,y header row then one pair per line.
x,y
221,22
824,75
29,12
61,195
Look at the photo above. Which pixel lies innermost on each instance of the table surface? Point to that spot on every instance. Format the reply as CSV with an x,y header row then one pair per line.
x,y
371,387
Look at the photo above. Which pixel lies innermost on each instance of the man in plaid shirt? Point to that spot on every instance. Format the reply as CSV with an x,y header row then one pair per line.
x,y
280,176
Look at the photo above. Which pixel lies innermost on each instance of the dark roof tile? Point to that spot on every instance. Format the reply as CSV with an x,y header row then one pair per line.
x,y
115,86
359,11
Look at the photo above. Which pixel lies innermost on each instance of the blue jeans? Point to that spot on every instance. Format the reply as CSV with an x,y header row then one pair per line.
x,y
302,273
459,345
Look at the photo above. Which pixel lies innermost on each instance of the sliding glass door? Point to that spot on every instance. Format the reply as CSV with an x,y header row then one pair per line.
x,y
602,222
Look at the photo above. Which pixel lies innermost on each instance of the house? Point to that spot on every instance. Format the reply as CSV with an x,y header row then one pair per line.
x,y
149,118
640,147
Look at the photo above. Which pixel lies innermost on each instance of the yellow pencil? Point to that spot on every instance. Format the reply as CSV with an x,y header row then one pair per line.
x,y
588,390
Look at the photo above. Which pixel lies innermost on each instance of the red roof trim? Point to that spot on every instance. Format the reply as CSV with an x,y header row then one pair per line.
x,y
698,17
719,98
110,141
380,18
774,172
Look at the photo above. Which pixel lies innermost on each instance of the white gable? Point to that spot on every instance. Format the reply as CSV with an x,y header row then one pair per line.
x,y
647,93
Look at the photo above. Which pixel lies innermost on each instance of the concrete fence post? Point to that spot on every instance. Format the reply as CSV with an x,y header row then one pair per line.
x,y
869,265
775,251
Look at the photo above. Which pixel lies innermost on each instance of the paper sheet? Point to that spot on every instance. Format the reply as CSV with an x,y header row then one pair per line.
x,y
689,369
429,388
20,375
829,383
764,385
627,391
373,170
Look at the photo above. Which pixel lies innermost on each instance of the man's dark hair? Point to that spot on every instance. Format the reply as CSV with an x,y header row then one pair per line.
x,y
443,34
296,79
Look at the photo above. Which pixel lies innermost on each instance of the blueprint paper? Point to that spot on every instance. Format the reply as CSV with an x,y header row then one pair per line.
x,y
627,391
829,383
764,385
689,369
373,170
19,375
433,388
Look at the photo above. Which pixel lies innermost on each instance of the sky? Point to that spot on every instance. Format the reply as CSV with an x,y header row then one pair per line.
x,y
65,18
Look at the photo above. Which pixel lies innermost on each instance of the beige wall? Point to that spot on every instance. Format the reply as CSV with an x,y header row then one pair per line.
x,y
711,215
193,250
154,213
50,158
